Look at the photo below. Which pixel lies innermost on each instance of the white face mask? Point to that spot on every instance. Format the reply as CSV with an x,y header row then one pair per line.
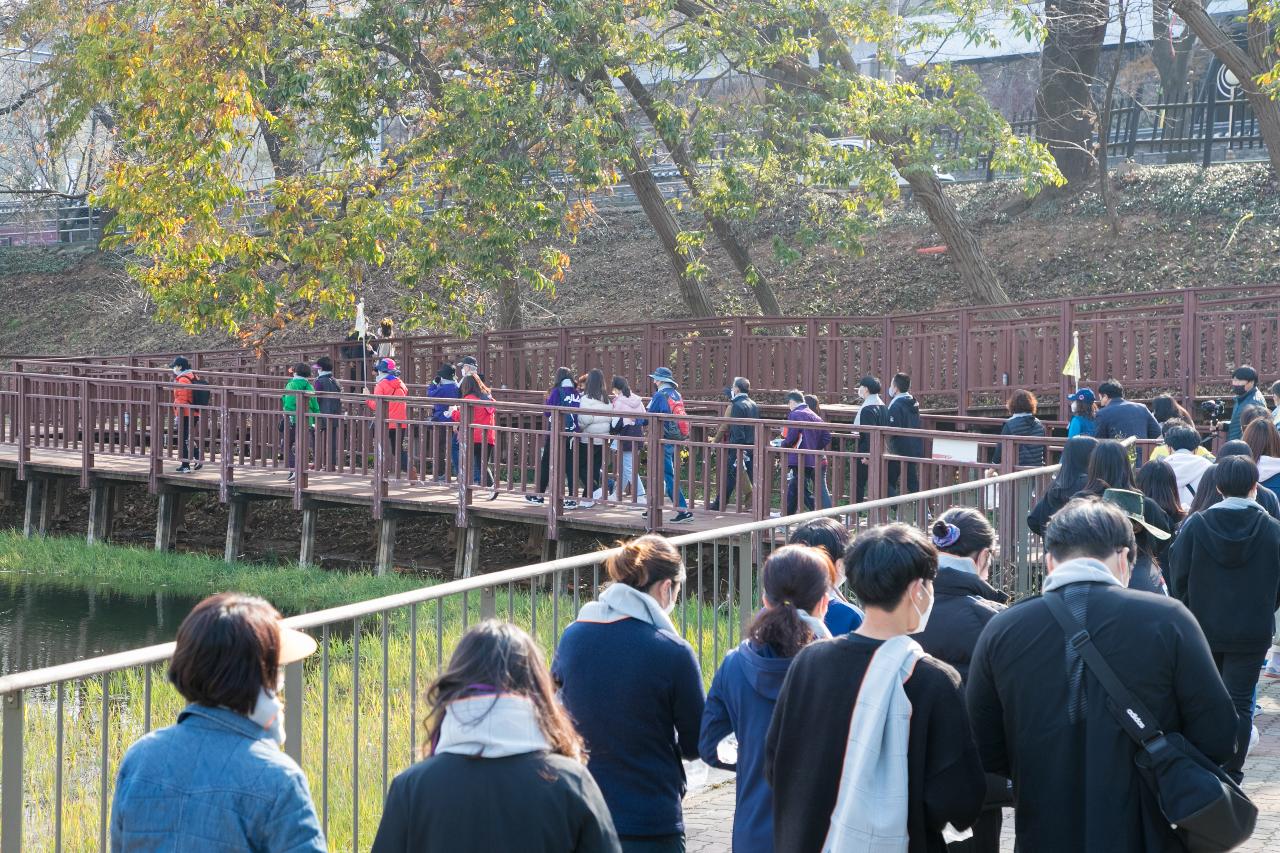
x,y
924,617
177,370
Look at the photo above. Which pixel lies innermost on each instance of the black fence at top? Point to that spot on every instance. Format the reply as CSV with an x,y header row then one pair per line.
x,y
1214,128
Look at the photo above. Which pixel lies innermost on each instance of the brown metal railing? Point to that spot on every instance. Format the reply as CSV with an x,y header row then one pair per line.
x,y
1183,341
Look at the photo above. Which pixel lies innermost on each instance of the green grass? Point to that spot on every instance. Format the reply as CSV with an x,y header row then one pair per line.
x,y
407,667
71,564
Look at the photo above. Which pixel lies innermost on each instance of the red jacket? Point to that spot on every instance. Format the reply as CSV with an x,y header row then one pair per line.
x,y
481,416
397,413
182,396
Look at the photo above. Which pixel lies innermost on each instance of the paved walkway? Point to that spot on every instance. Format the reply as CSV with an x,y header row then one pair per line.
x,y
709,812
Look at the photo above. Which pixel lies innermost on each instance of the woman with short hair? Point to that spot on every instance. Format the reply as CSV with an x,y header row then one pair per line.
x,y
218,777
504,768
1022,421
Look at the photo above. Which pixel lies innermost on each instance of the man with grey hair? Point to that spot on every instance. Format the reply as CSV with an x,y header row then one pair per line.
x,y
1042,718
740,406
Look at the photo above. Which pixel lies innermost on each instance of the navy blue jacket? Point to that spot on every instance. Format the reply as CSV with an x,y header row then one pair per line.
x,y
741,702
1120,419
635,694
443,390
841,617
904,413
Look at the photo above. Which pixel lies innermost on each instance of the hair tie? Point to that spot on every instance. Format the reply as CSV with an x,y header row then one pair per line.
x,y
952,537
787,602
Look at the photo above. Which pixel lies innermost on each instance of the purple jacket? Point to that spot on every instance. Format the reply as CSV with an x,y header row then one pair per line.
x,y
564,395
805,438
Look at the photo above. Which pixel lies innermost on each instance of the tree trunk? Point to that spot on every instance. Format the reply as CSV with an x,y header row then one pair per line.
x,y
723,230
1171,56
665,226
1246,66
1065,114
510,301
976,273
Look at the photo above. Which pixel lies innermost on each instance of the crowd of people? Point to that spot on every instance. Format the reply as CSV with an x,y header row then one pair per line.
x,y
885,696
606,417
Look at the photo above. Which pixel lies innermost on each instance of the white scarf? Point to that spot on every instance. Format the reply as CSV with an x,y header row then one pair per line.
x,y
816,625
871,809
620,601
491,727
960,564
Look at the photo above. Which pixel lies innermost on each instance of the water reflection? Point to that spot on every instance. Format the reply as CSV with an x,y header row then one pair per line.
x,y
44,626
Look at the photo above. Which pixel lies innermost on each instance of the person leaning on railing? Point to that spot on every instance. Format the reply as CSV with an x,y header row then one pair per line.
x,y
505,768
217,779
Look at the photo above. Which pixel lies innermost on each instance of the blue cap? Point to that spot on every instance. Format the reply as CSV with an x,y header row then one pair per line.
x,y
1084,395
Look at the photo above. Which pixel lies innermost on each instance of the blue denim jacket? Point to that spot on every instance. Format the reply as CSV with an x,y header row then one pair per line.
x,y
215,781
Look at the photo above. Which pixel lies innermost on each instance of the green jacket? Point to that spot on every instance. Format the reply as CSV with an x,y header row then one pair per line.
x,y
290,403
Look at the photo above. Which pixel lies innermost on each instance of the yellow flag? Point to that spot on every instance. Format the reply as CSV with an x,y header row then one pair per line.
x,y
1072,367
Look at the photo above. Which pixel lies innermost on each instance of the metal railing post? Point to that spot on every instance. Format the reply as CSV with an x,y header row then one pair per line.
x,y
294,692
87,430
11,775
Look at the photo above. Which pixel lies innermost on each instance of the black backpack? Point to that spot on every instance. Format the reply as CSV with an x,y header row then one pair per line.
x,y
200,395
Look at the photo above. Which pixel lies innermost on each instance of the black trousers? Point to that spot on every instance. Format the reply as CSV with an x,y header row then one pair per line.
x,y
895,476
327,448
395,447
1240,671
731,472
544,467
189,424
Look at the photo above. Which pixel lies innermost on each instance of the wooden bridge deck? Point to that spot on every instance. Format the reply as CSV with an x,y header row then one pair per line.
x,y
335,488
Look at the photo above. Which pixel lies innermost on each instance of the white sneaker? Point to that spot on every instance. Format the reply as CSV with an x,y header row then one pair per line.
x,y
586,504
1254,737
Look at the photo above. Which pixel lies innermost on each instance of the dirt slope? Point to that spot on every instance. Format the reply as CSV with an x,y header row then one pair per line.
x,y
1181,226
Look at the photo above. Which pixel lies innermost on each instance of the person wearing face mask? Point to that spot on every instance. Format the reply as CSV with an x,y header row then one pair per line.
x,y
1042,718
870,736
187,408
330,422
219,772
634,689
871,412
1244,385
1225,566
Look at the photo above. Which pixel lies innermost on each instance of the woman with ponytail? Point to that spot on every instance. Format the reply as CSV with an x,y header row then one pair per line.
x,y
964,602
795,579
634,689
504,767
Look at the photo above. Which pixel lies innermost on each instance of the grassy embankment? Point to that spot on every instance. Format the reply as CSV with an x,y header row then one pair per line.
x,y
350,751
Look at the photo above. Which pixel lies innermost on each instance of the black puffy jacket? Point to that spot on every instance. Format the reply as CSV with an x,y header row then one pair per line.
x,y
963,605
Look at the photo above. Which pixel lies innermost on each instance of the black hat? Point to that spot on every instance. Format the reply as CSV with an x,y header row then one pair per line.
x,y
181,362
469,361
447,371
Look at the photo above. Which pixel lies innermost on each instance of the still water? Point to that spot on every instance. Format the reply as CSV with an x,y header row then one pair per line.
x,y
44,626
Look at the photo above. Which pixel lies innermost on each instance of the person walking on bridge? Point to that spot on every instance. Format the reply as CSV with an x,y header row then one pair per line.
x,y
904,413
188,413
397,414
291,425
667,401
740,406
330,409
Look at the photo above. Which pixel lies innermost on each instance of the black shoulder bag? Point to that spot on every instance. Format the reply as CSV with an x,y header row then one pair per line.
x,y
1207,808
